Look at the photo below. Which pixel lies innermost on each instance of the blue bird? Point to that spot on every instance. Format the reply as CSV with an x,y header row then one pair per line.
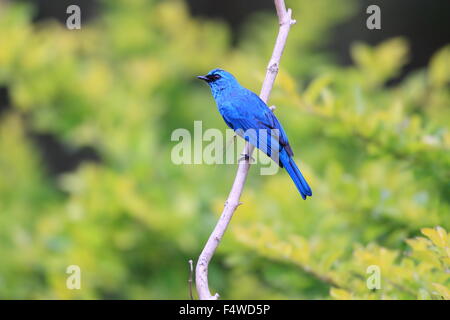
x,y
249,116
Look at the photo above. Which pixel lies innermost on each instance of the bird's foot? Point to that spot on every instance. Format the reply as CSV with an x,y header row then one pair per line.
x,y
246,157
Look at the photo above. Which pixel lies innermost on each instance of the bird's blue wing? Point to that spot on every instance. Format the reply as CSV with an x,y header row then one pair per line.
x,y
251,124
266,118
254,133
270,121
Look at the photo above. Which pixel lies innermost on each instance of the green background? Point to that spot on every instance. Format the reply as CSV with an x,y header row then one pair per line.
x,y
375,153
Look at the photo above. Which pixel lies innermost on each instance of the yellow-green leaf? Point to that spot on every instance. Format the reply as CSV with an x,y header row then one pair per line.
x,y
442,290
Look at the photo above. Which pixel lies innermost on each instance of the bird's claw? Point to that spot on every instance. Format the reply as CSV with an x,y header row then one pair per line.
x,y
246,157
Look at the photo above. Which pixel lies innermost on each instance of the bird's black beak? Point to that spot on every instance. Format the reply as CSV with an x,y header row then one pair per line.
x,y
204,78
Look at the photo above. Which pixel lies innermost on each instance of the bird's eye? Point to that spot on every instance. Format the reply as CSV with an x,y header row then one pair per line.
x,y
212,77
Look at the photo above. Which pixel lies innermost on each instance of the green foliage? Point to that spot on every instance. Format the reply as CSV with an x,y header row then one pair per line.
x,y
376,155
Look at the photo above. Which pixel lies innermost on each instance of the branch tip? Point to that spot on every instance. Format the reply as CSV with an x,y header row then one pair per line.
x,y
191,271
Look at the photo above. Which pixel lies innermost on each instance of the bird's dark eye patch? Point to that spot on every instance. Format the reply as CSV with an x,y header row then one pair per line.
x,y
213,77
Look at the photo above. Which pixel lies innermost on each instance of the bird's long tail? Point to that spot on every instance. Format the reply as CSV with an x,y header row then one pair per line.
x,y
295,174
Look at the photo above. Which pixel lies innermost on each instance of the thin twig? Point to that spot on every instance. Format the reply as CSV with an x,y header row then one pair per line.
x,y
201,271
191,271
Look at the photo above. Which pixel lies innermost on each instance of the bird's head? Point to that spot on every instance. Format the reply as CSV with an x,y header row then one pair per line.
x,y
219,80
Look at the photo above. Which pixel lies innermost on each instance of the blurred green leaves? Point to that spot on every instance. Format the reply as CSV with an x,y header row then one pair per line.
x,y
381,63
375,151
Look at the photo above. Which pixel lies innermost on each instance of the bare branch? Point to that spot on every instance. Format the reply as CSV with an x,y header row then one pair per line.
x,y
191,271
201,271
